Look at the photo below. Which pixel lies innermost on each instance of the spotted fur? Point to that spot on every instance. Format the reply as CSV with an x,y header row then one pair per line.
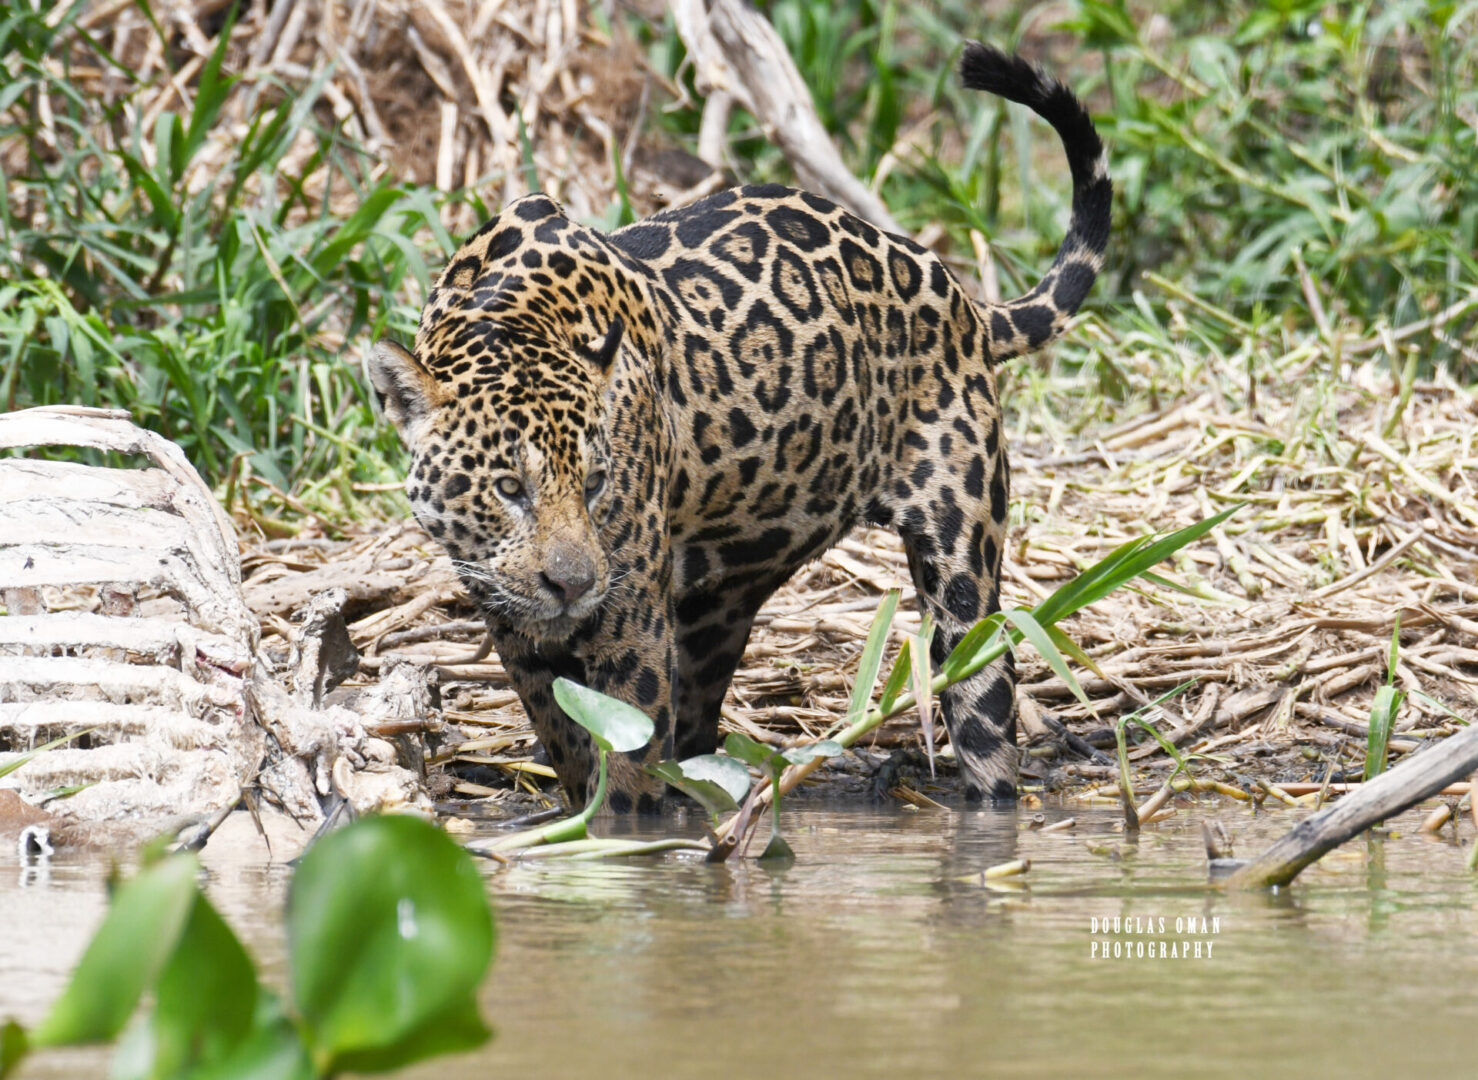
x,y
626,443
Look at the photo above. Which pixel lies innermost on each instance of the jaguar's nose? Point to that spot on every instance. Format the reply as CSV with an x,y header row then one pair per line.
x,y
568,587
570,574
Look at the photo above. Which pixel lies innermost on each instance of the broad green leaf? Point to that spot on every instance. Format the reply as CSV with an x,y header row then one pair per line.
x,y
454,1031
613,724
799,755
712,796
272,1050
389,929
872,658
741,746
125,956
727,773
13,1047
205,999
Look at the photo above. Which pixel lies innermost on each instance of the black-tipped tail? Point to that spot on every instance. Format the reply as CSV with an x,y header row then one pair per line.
x,y
1019,326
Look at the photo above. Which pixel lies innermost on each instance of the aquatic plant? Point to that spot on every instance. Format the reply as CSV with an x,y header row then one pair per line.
x,y
616,725
1383,711
389,934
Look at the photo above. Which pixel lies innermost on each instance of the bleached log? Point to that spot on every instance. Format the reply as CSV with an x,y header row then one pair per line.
x,y
735,50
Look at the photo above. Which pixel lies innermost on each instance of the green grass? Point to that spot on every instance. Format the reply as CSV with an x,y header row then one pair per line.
x,y
1245,138
221,285
219,288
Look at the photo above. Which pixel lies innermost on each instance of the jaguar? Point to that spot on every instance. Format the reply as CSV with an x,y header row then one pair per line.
x,y
627,442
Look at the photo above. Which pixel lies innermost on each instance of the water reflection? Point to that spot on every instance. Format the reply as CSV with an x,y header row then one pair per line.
x,y
879,951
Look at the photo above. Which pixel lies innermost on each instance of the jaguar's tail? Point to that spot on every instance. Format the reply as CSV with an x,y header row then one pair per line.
x,y
1021,325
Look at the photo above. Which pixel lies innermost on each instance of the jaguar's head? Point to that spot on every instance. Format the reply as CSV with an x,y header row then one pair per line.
x,y
510,462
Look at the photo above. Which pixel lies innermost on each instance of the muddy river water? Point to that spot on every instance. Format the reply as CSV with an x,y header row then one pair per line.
x,y
880,953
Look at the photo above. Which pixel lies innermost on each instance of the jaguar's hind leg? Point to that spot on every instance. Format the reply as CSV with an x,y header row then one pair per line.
x,y
954,552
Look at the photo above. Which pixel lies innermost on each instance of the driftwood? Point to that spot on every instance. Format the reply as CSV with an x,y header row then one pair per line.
x,y
737,54
1419,777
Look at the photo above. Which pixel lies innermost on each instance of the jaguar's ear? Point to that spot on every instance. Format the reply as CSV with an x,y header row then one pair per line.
x,y
406,390
604,354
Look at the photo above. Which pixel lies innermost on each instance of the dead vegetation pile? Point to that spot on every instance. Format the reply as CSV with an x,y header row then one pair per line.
x,y
1360,492
1281,623
444,92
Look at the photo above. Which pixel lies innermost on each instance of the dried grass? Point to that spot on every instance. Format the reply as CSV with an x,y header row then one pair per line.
x,y
1346,525
437,88
1285,636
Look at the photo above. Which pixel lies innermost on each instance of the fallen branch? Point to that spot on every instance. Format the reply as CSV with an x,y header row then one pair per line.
x,y
736,51
1418,777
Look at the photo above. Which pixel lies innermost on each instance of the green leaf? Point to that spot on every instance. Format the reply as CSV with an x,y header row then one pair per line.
x,y
166,214
125,956
711,795
799,755
1137,717
66,791
169,136
1393,656
625,215
205,1000
389,929
458,1029
979,641
526,155
872,657
1070,648
1174,586
354,229
13,1047
719,783
741,746
1382,720
777,848
613,724
16,762
1438,705
210,95
1122,565
923,684
271,1050
1027,624
727,773
897,679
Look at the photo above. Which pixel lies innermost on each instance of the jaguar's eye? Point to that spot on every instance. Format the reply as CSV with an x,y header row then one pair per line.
x,y
509,487
594,483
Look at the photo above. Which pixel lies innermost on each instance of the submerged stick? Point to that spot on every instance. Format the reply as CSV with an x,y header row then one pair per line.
x,y
1417,778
